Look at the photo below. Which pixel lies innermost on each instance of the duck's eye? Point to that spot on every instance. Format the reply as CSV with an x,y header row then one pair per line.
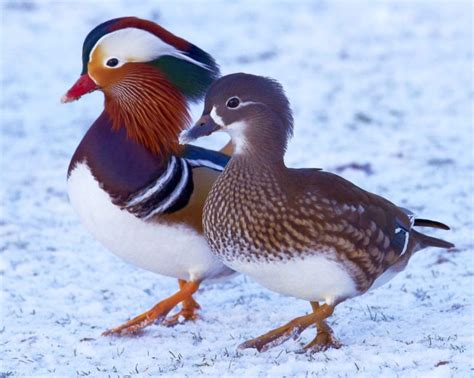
x,y
233,102
112,62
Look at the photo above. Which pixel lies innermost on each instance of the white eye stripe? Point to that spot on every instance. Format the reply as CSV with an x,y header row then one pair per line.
x,y
245,103
137,45
241,103
220,121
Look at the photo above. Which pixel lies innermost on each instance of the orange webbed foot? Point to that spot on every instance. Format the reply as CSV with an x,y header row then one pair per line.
x,y
158,313
189,312
324,340
139,322
293,330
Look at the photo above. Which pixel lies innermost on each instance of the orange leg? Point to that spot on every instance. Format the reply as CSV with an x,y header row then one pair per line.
x,y
157,313
188,311
292,329
324,338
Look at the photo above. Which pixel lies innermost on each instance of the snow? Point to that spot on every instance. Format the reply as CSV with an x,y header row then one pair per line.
x,y
382,94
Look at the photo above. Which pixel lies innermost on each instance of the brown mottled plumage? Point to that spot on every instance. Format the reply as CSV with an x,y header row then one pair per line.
x,y
301,232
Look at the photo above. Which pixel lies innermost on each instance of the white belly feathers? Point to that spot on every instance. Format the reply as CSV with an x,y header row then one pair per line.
x,y
313,278
172,250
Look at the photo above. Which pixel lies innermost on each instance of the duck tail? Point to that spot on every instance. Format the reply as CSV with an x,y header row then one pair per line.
x,y
420,222
425,241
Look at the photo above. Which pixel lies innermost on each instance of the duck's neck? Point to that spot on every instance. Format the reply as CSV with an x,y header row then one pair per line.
x,y
150,108
260,145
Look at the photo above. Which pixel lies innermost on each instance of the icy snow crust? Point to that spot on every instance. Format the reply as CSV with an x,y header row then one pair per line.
x,y
382,94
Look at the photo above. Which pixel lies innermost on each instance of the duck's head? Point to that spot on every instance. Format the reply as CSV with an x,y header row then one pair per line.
x,y
253,110
148,76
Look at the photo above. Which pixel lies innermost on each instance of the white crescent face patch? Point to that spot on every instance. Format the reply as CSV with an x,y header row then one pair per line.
x,y
136,45
216,117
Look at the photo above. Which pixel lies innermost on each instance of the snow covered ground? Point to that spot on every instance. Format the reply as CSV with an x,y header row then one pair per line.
x,y
382,94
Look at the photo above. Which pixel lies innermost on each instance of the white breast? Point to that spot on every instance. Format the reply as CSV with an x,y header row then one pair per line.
x,y
314,278
172,250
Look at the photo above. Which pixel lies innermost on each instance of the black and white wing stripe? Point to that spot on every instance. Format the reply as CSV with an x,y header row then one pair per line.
x,y
173,188
205,163
157,186
201,157
168,193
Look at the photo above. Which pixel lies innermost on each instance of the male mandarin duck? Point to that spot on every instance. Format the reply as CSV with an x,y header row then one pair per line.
x,y
134,187
300,232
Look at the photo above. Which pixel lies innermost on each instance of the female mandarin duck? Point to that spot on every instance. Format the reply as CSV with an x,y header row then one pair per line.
x,y
134,187
301,232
